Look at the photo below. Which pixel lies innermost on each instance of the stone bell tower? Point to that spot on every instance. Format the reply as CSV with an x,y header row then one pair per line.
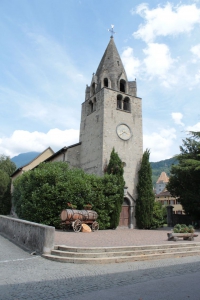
x,y
112,117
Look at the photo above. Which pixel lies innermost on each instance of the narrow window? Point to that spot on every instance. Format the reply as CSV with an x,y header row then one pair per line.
x,y
90,107
122,85
119,101
93,88
105,81
94,104
126,104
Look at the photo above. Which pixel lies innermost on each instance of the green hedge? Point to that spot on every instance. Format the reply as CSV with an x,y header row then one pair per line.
x,y
41,194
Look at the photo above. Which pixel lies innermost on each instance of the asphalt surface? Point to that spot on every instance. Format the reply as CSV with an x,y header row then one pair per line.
x,y
26,276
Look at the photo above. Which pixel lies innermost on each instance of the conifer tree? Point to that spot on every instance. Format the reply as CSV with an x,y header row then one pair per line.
x,y
115,167
145,199
184,182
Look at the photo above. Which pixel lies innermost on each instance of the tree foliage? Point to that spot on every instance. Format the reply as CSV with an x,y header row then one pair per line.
x,y
115,167
145,199
7,167
41,194
159,215
184,182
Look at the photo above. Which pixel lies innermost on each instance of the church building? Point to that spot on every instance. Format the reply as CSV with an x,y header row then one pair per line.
x,y
111,117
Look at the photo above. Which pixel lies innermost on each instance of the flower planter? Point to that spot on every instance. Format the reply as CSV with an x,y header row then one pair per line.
x,y
186,236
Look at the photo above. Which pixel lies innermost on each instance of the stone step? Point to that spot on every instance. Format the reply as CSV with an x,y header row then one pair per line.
x,y
122,253
119,259
124,248
96,255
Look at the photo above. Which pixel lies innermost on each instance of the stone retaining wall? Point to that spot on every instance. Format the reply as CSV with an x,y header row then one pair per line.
x,y
29,235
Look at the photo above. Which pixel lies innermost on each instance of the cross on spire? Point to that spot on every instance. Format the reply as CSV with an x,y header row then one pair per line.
x,y
112,30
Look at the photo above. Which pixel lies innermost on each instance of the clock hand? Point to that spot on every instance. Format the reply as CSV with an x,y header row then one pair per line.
x,y
125,132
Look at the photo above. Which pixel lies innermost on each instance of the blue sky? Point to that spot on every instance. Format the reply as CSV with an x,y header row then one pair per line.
x,y
50,48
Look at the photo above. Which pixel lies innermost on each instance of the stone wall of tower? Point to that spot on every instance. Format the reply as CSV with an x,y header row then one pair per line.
x,y
91,136
98,135
129,151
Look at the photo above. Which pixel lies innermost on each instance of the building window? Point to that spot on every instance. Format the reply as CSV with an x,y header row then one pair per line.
x,y
119,101
127,104
94,104
105,82
122,86
93,88
90,106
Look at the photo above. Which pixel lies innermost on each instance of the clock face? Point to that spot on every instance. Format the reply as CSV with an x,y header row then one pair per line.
x,y
124,132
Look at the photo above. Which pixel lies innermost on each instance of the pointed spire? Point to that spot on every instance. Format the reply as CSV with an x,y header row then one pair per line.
x,y
111,65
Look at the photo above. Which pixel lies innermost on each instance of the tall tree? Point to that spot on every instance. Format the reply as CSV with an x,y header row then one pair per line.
x,y
115,167
184,182
7,167
145,199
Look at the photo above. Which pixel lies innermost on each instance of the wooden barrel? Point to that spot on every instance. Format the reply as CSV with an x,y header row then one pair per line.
x,y
75,214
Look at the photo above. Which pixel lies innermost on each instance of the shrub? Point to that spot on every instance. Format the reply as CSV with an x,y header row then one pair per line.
x,y
182,228
41,194
7,167
158,219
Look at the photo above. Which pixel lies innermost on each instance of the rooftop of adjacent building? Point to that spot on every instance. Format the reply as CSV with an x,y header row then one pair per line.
x,y
163,178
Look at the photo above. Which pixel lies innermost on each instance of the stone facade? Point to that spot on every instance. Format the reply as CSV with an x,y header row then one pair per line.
x,y
111,117
98,135
111,103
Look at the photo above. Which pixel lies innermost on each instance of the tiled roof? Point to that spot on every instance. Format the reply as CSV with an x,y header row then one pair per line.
x,y
165,192
163,178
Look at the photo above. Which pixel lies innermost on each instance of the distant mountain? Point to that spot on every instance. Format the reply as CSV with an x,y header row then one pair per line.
x,y
157,167
24,158
161,166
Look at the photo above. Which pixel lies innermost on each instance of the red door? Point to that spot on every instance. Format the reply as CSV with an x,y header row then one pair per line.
x,y
124,216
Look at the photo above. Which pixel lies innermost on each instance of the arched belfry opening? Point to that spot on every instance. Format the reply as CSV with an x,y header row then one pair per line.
x,y
93,88
90,106
105,82
122,87
119,101
126,104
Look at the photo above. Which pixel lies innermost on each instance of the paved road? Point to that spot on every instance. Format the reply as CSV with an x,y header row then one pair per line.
x,y
25,276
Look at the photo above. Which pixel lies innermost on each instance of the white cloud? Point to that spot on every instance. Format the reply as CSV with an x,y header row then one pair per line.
x,y
167,20
160,144
195,127
131,63
22,141
177,117
158,60
157,63
196,50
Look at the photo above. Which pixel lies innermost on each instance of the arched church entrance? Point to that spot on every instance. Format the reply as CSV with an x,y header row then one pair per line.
x,y
125,214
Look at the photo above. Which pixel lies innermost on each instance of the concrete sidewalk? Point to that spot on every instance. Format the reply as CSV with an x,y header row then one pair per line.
x,y
24,276
114,238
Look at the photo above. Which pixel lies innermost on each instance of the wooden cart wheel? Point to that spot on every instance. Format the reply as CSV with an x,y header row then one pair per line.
x,y
95,226
77,226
